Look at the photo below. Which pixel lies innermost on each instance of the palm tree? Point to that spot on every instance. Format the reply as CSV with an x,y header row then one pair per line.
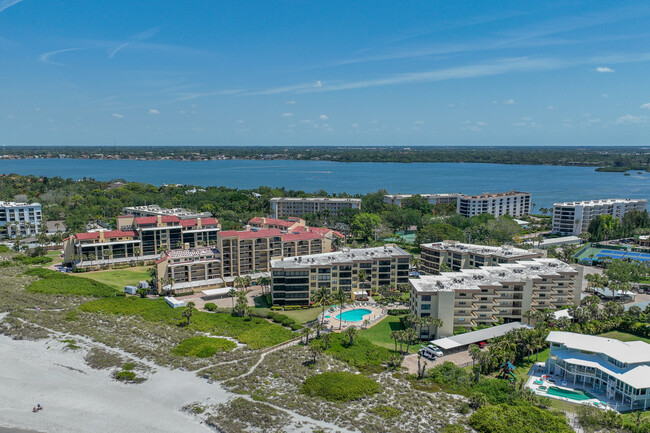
x,y
248,281
351,332
305,333
322,297
395,335
318,327
232,293
239,282
326,340
477,356
188,312
528,314
410,338
341,297
363,277
315,351
264,282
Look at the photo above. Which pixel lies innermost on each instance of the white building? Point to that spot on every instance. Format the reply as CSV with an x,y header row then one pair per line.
x,y
513,203
20,219
397,199
482,296
155,210
621,369
296,206
574,217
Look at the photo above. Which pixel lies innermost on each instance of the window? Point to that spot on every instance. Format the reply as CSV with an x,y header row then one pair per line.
x,y
426,298
426,306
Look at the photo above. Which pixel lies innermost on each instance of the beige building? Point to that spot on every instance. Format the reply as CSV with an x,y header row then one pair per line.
x,y
513,203
459,256
189,269
482,296
155,210
282,207
295,279
574,217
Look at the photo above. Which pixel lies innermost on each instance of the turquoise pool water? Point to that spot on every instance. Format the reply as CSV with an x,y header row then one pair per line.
x,y
355,315
575,394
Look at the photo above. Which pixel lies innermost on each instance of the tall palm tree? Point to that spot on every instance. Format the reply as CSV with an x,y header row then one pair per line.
x,y
318,327
322,297
232,293
188,312
341,297
351,332
326,339
395,335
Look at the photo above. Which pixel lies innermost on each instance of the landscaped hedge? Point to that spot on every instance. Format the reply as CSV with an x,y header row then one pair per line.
x,y
211,306
203,347
398,312
57,283
340,386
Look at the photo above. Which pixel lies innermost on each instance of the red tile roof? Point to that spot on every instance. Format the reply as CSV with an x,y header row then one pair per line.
x,y
251,234
301,236
107,234
154,219
204,222
323,231
271,221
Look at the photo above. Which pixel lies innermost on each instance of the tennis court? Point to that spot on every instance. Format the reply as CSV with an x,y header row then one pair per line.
x,y
622,255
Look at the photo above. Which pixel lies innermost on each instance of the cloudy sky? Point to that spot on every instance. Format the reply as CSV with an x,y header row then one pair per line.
x,y
324,72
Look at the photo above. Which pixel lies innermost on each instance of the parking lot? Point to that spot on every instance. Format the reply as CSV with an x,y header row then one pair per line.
x,y
461,359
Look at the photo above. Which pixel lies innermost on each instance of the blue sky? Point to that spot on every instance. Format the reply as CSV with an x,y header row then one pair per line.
x,y
324,73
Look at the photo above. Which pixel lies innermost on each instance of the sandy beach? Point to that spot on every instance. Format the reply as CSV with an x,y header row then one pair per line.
x,y
77,398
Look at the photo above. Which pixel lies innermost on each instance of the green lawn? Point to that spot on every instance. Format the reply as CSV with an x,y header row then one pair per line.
x,y
118,278
300,316
380,333
524,367
624,336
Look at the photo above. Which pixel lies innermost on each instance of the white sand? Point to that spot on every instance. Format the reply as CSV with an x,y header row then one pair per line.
x,y
89,400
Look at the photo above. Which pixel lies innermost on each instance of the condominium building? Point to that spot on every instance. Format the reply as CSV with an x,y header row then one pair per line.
x,y
155,210
189,269
457,256
574,217
294,225
621,369
295,279
296,206
398,199
141,238
513,203
19,220
482,296
247,251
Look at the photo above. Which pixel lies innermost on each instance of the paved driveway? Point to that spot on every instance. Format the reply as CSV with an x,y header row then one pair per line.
x,y
461,359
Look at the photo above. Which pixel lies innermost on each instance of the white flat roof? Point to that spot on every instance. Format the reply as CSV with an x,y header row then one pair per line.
x,y
630,352
476,336
217,292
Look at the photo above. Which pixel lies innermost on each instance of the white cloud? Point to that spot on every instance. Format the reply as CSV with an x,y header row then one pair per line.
x,y
37,109
509,101
182,112
118,115
241,122
287,114
629,119
318,84
550,107
307,121
323,117
47,57
10,116
290,102
5,4
605,95
646,106
419,122
603,69
481,123
355,125
154,111
133,39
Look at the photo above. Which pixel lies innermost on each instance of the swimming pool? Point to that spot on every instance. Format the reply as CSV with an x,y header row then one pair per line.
x,y
575,394
355,315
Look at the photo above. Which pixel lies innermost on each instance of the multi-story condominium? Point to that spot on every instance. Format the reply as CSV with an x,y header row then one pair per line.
x,y
189,269
155,210
457,256
398,199
139,237
574,217
513,203
243,252
296,206
482,296
619,368
295,279
294,225
19,220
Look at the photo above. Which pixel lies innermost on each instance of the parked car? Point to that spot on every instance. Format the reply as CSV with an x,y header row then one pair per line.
x,y
435,349
427,353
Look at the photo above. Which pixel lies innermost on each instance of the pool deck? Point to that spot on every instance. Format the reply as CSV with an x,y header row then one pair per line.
x,y
538,373
377,312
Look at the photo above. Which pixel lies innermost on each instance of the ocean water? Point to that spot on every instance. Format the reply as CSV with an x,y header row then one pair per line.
x,y
547,184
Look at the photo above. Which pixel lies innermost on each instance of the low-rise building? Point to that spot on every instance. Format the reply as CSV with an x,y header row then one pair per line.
x,y
483,296
274,223
621,369
444,198
189,270
456,256
574,217
155,210
513,203
296,206
19,220
295,279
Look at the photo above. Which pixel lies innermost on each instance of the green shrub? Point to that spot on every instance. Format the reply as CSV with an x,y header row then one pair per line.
x,y
276,308
4,249
128,366
210,306
386,412
203,347
257,333
26,260
362,354
340,386
517,419
398,312
125,376
57,283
